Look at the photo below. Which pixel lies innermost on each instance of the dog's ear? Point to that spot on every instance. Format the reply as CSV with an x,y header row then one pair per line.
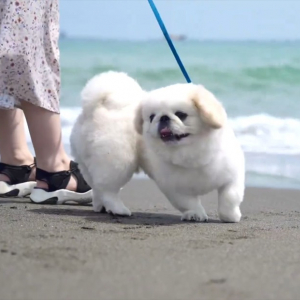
x,y
138,122
210,109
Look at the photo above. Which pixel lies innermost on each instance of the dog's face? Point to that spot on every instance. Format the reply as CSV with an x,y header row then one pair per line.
x,y
178,114
170,119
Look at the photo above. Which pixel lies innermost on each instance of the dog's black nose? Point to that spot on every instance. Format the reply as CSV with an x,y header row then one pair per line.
x,y
164,118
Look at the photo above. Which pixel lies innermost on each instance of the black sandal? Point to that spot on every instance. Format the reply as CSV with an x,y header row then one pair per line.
x,y
18,184
57,183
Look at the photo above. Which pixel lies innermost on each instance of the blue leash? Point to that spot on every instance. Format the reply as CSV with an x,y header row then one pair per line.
x,y
166,34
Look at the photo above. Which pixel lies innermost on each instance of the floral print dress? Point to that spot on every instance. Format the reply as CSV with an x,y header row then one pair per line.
x,y
29,54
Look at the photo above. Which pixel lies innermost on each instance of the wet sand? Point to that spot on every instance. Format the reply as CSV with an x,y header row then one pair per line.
x,y
70,252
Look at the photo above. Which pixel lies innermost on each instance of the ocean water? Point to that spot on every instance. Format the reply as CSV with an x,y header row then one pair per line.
x,y
258,83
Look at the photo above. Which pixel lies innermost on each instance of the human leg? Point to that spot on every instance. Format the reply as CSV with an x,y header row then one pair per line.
x,y
17,172
52,161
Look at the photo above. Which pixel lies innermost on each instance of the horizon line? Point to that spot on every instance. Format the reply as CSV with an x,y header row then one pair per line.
x,y
66,37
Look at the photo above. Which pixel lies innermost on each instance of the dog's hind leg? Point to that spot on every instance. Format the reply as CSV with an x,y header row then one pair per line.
x,y
110,173
97,201
230,199
110,201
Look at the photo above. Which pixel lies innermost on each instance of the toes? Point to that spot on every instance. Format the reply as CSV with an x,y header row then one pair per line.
x,y
120,210
123,213
194,217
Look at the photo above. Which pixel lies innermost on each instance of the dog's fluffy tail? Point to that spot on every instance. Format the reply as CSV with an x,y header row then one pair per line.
x,y
112,90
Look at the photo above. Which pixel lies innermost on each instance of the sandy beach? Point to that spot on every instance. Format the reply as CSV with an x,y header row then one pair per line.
x,y
70,252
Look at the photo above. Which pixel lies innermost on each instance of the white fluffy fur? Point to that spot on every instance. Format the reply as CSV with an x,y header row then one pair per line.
x,y
104,139
210,158
107,144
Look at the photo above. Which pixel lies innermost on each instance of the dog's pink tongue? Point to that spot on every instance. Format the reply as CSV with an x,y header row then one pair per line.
x,y
165,131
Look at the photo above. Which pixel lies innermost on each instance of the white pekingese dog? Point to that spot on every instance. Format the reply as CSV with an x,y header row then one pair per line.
x,y
179,135
192,150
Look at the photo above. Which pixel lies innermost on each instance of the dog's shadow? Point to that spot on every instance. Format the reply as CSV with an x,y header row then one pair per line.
x,y
137,218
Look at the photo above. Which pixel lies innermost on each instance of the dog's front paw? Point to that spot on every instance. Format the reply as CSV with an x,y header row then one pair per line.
x,y
196,216
118,209
230,216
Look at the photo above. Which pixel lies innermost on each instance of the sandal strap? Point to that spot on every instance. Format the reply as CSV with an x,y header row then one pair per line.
x,y
16,174
59,180
82,185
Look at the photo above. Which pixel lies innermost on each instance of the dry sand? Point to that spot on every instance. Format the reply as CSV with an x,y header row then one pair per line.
x,y
70,252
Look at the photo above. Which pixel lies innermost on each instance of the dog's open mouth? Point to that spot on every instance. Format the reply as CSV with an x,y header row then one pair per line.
x,y
167,135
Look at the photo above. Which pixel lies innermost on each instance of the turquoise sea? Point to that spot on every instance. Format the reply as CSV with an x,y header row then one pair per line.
x,y
258,83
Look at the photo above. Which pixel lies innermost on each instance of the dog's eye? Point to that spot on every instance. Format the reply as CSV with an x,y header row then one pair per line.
x,y
151,117
181,115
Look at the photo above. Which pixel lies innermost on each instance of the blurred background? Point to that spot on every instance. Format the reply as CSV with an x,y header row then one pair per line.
x,y
246,52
